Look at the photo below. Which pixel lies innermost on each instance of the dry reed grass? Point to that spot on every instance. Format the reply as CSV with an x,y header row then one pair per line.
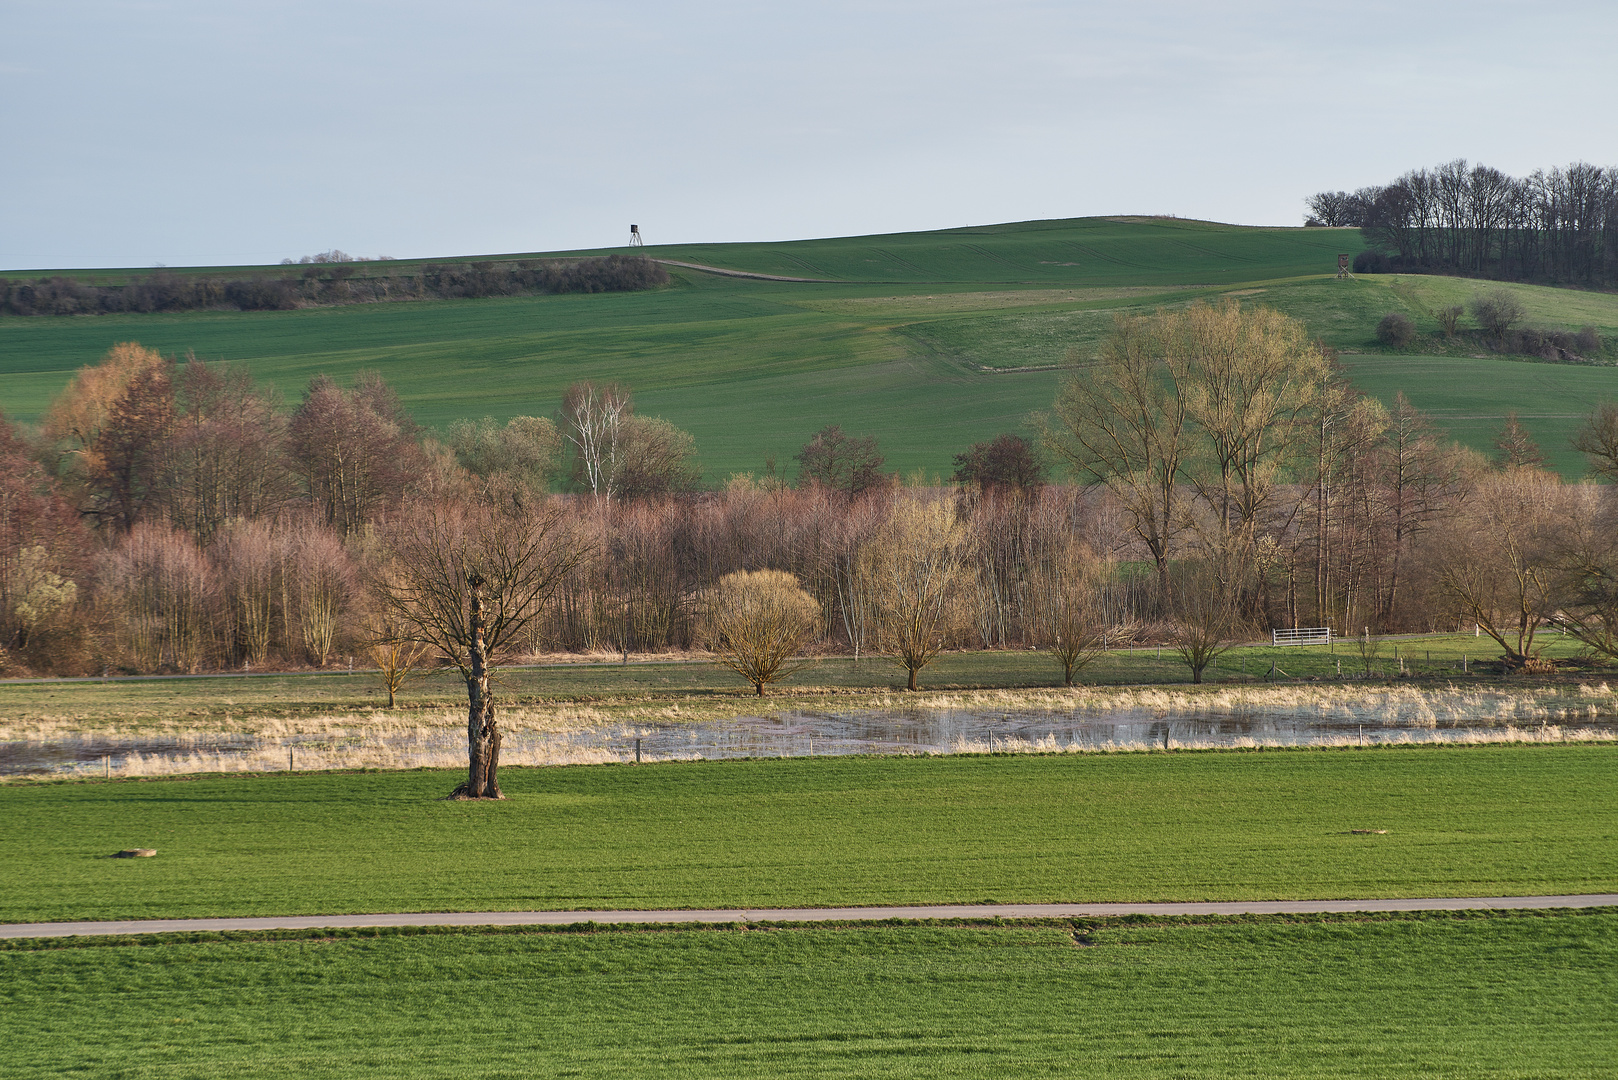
x,y
582,734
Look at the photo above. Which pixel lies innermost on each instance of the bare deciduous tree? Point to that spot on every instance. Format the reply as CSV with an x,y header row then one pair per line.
x,y
841,462
757,621
592,423
1497,311
1205,617
1597,439
915,567
1065,595
399,657
470,579
1514,447
1121,422
356,449
163,589
1584,603
1499,563
1006,462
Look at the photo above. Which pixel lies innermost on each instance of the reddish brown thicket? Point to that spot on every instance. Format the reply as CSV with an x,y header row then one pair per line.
x,y
355,450
44,564
227,538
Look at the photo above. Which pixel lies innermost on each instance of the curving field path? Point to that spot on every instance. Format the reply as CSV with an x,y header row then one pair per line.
x,y
799,915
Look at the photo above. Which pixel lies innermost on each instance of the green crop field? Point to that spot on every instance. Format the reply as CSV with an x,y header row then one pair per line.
x,y
1482,820
1470,396
930,341
1510,996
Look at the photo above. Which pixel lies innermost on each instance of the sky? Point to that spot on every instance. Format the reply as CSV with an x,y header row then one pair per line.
x,y
204,132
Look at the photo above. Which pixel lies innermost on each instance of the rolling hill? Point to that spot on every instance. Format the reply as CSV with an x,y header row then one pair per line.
x,y
929,340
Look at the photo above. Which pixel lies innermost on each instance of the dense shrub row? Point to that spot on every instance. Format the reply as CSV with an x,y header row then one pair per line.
x,y
329,283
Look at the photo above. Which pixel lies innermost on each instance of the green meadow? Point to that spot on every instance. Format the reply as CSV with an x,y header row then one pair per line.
x,y
1216,825
1499,996
930,341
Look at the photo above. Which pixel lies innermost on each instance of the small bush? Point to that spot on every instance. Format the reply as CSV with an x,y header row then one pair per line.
x,y
1396,330
1450,319
1497,312
1587,341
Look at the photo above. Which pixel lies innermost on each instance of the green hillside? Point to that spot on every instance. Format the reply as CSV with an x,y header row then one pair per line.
x,y
930,341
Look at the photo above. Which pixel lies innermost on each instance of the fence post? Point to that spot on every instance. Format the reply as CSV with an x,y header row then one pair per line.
x,y
637,751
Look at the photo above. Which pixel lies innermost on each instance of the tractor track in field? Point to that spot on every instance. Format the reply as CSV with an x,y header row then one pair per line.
x,y
798,915
722,272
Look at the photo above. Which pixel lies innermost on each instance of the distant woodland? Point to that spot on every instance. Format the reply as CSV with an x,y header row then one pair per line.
x,y
319,283
1558,227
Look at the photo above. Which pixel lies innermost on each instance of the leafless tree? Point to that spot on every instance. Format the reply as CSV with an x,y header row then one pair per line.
x,y
1121,422
1500,564
251,555
915,567
1205,617
841,462
470,579
1497,311
592,422
1514,447
1005,463
1584,601
1066,599
1597,439
757,621
225,457
399,656
164,591
356,450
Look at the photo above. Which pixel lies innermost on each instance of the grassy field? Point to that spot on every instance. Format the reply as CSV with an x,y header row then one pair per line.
x,y
1463,395
1501,996
1484,820
929,340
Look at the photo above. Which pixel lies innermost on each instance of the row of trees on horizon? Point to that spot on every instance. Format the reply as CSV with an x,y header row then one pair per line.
x,y
172,516
1558,226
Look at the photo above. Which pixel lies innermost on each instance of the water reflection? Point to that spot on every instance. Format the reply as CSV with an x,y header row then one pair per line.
x,y
959,730
801,733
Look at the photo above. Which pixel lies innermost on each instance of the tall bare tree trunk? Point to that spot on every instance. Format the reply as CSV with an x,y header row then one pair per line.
x,y
482,734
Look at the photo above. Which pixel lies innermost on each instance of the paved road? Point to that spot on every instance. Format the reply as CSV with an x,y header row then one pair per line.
x,y
739,915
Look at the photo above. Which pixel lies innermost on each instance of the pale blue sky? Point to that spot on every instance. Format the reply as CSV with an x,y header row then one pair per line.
x,y
213,131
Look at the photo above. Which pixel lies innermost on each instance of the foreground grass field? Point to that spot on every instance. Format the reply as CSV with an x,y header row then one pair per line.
x,y
931,341
1499,996
825,831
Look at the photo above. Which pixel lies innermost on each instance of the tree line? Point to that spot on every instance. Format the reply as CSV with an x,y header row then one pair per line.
x,y
1558,226
174,516
328,281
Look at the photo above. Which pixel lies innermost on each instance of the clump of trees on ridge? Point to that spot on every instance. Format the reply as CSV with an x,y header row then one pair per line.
x,y
1558,226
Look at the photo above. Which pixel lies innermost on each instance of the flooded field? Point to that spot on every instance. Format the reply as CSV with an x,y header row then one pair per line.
x,y
1136,721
